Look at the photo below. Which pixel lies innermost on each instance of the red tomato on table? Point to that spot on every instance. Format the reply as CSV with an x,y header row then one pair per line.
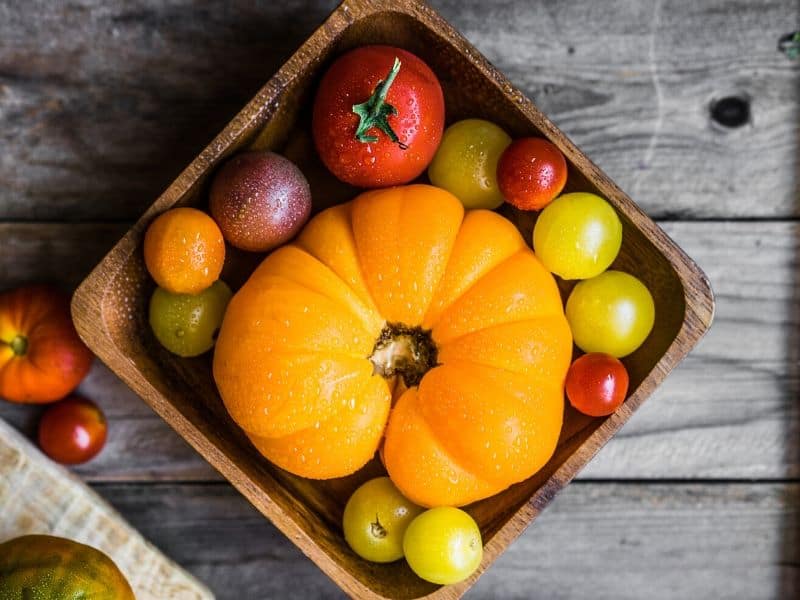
x,y
72,431
531,172
597,384
378,117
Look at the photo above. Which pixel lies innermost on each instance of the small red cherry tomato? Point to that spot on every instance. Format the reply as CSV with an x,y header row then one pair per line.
x,y
72,431
597,384
378,116
531,173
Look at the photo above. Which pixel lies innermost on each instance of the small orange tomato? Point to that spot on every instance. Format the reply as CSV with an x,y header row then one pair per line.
x,y
42,359
184,250
72,431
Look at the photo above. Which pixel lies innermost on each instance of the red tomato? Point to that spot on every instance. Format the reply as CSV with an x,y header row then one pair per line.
x,y
597,384
378,117
531,172
72,431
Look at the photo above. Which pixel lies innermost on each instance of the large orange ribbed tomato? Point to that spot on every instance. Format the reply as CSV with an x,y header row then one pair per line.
x,y
400,284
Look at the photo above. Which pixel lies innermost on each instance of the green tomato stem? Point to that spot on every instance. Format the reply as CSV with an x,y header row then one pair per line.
x,y
375,111
376,529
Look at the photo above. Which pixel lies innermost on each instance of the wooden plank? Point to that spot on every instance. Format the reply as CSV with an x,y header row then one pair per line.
x,y
54,253
102,105
595,541
38,497
729,411
185,396
140,446
631,83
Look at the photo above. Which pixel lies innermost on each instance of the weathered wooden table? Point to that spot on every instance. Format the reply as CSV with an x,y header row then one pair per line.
x,y
102,103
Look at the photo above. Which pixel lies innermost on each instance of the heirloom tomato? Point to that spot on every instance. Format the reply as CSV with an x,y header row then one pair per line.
x,y
612,313
531,172
378,116
42,566
187,324
72,431
596,384
42,359
443,545
184,250
577,236
466,162
375,519
400,284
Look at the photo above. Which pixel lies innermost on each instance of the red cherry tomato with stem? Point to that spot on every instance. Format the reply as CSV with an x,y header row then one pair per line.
x,y
72,431
531,172
597,384
378,116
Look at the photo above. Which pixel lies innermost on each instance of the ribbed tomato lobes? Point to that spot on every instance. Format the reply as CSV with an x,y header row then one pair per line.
x,y
42,359
368,288
413,110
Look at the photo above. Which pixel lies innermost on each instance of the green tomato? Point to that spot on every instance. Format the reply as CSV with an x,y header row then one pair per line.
x,y
466,162
611,313
187,324
375,520
577,236
443,545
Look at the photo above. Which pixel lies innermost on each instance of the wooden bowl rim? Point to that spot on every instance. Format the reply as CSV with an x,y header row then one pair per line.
x,y
88,299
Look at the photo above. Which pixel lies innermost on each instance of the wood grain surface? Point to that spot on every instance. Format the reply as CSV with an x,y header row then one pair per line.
x,y
110,306
729,411
39,497
103,103
597,540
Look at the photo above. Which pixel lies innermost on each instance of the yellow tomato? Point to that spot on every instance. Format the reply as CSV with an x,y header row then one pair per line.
x,y
611,313
466,162
577,236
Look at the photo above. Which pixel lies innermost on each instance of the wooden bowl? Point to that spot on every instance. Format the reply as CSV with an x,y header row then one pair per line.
x,y
110,307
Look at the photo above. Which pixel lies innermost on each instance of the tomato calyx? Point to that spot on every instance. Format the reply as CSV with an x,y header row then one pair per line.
x,y
375,111
408,352
18,345
377,530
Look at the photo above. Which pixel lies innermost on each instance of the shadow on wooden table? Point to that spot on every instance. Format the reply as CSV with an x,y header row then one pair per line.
x,y
126,96
790,532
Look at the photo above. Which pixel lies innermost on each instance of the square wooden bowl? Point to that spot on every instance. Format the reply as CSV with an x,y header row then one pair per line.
x,y
110,307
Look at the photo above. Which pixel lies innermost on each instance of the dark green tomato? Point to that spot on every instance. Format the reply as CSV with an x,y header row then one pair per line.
x,y
44,567
187,324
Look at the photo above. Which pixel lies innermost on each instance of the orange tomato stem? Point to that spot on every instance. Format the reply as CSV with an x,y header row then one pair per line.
x,y
408,352
375,111
19,345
